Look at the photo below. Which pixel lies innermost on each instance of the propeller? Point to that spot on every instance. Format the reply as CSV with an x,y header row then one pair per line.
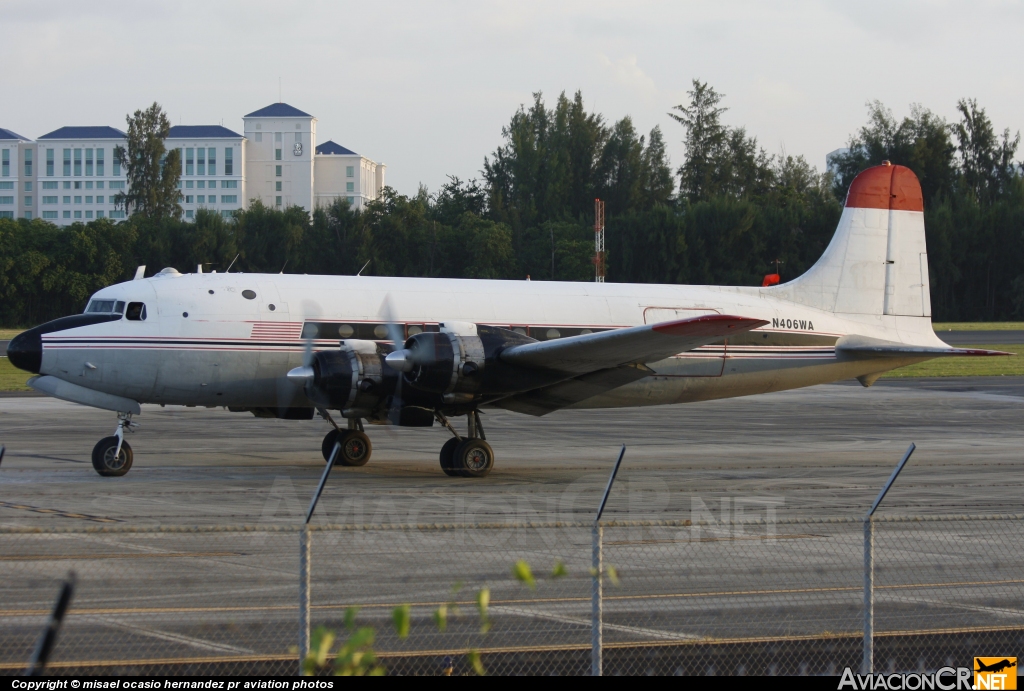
x,y
397,356
289,386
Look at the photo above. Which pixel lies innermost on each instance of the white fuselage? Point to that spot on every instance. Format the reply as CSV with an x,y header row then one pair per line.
x,y
204,343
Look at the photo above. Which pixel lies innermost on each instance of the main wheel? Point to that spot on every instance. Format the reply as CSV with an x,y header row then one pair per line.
x,y
474,458
355,448
328,446
107,461
448,457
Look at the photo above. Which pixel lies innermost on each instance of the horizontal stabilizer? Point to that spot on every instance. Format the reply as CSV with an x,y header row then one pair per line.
x,y
864,347
634,345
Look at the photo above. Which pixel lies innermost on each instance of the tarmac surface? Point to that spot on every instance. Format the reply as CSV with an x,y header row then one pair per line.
x,y
822,451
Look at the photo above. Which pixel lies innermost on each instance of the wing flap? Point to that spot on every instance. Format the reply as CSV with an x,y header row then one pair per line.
x,y
551,398
578,355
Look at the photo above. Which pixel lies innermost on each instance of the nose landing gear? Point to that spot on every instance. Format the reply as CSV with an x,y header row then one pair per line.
x,y
112,456
471,456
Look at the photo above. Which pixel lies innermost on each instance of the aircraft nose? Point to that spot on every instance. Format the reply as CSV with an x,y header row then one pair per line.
x,y
25,351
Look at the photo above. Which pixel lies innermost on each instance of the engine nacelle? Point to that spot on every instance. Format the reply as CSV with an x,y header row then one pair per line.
x,y
349,379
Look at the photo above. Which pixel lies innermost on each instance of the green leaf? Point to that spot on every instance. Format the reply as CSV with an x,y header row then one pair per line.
x,y
473,657
350,617
559,570
521,570
441,617
613,575
402,619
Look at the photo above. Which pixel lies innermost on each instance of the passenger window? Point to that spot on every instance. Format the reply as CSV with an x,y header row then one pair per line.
x,y
136,312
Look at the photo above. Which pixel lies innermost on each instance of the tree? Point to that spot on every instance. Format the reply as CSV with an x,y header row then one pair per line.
x,y
153,172
986,163
705,137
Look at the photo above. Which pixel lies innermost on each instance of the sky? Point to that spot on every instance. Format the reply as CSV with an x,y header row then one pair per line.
x,y
425,87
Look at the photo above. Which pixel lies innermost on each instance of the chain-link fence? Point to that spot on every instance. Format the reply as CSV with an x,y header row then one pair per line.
x,y
755,597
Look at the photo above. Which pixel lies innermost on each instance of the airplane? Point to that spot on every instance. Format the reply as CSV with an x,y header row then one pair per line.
x,y
995,666
415,351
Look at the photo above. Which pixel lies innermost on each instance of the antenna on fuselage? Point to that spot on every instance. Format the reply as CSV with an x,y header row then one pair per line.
x,y
228,270
282,268
140,273
364,267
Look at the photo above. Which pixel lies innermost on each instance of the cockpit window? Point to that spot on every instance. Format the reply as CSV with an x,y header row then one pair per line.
x,y
136,312
105,307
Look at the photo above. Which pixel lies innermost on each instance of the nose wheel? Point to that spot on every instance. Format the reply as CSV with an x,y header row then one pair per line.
x,y
469,456
112,456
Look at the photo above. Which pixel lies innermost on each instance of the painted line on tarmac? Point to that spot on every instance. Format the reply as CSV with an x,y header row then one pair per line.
x,y
50,557
170,637
57,512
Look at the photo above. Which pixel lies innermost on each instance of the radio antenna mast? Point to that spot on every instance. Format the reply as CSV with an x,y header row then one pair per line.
x,y
598,241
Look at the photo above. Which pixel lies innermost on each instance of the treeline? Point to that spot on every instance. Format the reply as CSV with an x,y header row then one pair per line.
x,y
728,214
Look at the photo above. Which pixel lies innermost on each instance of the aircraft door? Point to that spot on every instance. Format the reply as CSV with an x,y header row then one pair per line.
x,y
707,361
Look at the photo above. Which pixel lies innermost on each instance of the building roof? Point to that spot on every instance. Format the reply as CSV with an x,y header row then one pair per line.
x,y
278,110
102,132
331,148
201,132
7,134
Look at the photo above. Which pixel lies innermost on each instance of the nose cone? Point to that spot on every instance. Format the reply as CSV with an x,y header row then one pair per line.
x,y
25,351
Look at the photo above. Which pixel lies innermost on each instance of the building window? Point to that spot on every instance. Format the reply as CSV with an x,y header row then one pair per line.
x,y
188,184
10,200
116,185
190,161
277,171
201,199
50,200
350,187
277,154
117,162
51,185
6,214
117,214
49,163
259,136
99,183
277,201
201,184
88,184
67,200
277,187
99,164
28,164
211,158
88,200
227,214
99,214
88,163
229,199
78,184
88,214
6,185
28,215
28,201
78,200
99,200
189,199
229,163
28,186
5,163
78,214
67,184
350,200
66,214
67,163
190,213
229,184
49,214
350,171
201,161
78,163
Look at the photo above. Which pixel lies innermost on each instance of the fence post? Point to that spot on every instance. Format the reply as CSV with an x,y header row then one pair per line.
x,y
867,664
596,594
304,563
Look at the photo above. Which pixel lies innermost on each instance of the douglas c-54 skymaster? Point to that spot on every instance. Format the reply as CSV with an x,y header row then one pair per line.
x,y
412,351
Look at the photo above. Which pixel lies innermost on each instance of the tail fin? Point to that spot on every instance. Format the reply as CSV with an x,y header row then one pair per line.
x,y
877,262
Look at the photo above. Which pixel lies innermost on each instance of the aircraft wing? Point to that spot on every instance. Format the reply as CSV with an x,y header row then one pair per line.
x,y
587,353
599,362
864,347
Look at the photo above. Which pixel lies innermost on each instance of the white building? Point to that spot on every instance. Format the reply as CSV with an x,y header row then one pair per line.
x,y
212,168
14,193
72,174
78,174
340,172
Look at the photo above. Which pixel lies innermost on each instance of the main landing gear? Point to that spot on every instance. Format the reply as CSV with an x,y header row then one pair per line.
x,y
471,456
355,445
112,456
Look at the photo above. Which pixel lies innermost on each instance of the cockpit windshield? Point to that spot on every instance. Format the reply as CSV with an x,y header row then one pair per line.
x,y
104,307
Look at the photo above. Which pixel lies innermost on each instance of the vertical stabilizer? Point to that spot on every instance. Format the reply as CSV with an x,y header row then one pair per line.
x,y
877,262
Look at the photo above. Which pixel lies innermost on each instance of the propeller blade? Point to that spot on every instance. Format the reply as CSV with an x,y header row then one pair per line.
x,y
289,386
396,333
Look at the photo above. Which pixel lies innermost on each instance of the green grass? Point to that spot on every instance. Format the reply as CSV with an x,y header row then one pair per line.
x,y
8,334
979,326
12,378
994,366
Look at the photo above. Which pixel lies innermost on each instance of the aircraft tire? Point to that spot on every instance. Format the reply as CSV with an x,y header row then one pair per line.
x,y
328,445
448,457
355,448
104,462
474,458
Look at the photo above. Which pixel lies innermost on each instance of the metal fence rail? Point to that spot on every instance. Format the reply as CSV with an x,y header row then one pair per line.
x,y
752,597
